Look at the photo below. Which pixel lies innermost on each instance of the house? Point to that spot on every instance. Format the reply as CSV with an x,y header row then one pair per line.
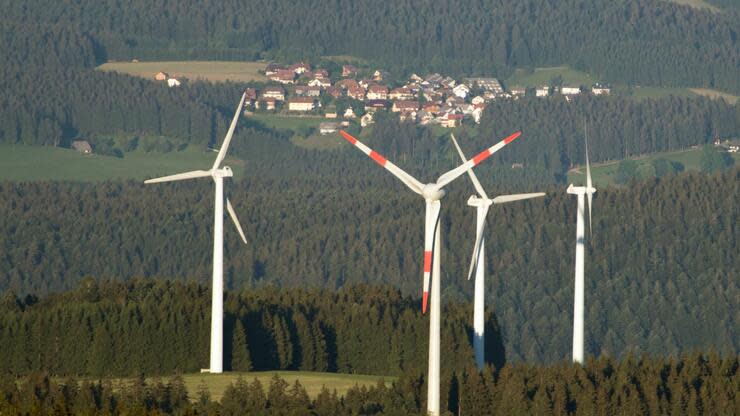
x,y
334,91
374,105
415,78
405,106
407,116
173,82
313,91
570,90
517,165
161,76
424,117
357,93
542,91
300,90
377,92
301,104
366,120
82,146
321,74
461,90
380,75
349,70
347,84
478,113
267,103
320,82
272,69
328,127
284,76
450,120
432,107
518,91
488,84
274,92
401,93
251,94
478,100
600,89
300,68
349,113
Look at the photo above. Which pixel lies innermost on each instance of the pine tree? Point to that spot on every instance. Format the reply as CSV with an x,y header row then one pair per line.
x,y
240,357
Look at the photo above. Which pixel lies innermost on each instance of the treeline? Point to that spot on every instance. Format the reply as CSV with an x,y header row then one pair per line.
x,y
159,327
693,384
644,42
659,249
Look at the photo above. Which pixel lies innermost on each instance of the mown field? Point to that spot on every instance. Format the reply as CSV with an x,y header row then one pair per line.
x,y
215,71
605,173
313,382
37,163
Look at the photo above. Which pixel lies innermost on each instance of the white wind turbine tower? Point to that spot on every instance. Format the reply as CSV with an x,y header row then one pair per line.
x,y
578,302
482,202
217,301
432,194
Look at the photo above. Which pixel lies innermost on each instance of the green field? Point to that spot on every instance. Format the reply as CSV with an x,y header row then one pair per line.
x,y
287,122
542,76
312,382
216,71
605,173
35,163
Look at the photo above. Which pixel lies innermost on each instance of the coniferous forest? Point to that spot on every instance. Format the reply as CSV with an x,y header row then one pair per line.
x,y
112,279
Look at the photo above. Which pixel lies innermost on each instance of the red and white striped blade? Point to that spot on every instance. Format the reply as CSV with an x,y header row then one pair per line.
x,y
480,157
407,179
431,221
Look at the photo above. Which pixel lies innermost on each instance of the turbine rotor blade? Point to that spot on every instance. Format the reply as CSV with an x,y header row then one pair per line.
x,y
471,174
238,226
478,241
180,176
399,173
502,199
229,134
480,157
431,222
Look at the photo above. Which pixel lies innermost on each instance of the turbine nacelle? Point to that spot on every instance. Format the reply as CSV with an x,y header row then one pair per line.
x,y
580,190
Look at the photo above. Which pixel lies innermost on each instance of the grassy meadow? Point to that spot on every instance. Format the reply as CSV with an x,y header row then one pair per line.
x,y
214,71
39,163
313,382
604,174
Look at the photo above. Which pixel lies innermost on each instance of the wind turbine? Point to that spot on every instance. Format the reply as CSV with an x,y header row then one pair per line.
x,y
578,306
218,174
432,194
482,202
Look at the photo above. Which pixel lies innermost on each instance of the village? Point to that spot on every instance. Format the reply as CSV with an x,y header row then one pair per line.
x,y
300,89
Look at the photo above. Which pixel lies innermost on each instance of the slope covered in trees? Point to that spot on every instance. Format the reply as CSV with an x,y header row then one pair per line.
x,y
661,250
693,384
648,42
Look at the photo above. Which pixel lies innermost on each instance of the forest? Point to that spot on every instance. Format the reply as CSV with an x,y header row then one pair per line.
x,y
661,262
646,42
692,384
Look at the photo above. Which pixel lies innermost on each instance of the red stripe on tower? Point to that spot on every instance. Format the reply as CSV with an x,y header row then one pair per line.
x,y
427,261
377,157
348,137
424,300
512,137
481,156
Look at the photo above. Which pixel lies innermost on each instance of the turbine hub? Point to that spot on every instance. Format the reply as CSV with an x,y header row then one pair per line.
x,y
476,201
432,193
224,172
